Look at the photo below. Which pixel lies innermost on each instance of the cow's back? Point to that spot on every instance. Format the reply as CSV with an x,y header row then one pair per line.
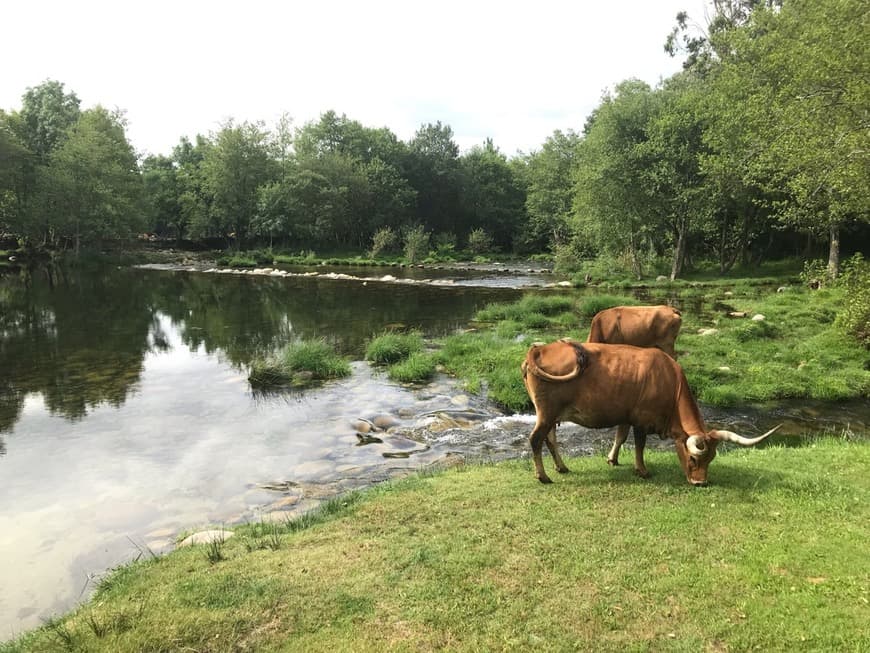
x,y
640,326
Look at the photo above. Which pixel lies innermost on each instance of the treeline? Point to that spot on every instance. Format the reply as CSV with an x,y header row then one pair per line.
x,y
758,148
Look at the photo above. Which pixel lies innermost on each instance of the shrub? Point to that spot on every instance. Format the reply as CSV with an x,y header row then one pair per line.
x,y
479,241
815,274
393,347
384,240
416,243
854,318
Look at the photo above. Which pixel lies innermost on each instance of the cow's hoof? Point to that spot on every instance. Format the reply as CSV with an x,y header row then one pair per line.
x,y
544,479
564,470
642,473
613,463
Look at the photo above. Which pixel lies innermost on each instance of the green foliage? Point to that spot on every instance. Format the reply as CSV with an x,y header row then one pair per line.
x,y
418,367
298,363
479,241
391,348
416,243
384,240
815,274
854,317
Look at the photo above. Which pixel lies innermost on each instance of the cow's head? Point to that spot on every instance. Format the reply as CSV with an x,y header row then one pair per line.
x,y
696,451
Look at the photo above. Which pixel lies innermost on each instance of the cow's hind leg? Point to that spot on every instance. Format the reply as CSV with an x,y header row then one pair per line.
x,y
536,438
639,444
553,446
618,441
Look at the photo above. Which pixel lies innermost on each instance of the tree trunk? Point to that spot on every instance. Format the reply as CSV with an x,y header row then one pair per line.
x,y
834,251
679,254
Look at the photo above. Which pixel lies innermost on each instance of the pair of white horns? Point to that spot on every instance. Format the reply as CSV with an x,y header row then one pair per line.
x,y
696,444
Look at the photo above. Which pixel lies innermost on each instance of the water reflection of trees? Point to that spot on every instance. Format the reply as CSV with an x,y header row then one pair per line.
x,y
79,338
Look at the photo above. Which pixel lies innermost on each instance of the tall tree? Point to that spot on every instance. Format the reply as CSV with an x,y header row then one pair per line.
x,y
615,208
549,175
96,180
433,171
48,112
492,198
234,168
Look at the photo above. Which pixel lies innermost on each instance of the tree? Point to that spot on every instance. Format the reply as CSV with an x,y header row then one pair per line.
x,y
615,209
163,196
549,197
433,171
47,113
492,197
671,175
233,169
95,180
15,159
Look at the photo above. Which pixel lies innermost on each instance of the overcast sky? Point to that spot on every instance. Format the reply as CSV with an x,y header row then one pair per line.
x,y
513,72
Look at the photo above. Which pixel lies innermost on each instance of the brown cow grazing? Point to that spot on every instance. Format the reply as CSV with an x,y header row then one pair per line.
x,y
641,326
599,386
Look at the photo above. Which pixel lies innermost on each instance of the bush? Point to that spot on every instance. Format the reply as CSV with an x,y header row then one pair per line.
x,y
393,347
416,243
479,241
384,240
815,274
854,318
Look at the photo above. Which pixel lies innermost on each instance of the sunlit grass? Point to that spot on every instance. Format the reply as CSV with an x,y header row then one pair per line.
x,y
770,556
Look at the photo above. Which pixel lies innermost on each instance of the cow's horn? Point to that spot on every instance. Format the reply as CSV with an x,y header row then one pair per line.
x,y
696,445
728,436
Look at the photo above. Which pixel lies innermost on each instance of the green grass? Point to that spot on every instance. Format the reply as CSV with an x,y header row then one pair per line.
x,y
798,352
390,348
419,367
770,557
298,363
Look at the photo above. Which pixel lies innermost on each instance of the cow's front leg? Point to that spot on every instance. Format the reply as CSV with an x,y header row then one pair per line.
x,y
618,441
536,438
553,446
639,444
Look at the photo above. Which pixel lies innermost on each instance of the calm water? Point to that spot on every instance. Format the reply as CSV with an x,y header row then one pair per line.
x,y
126,416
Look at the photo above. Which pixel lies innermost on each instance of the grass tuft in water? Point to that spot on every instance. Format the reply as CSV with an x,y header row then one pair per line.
x,y
417,368
390,348
298,363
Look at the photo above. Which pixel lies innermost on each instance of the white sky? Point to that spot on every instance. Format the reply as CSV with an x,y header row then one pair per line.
x,y
511,71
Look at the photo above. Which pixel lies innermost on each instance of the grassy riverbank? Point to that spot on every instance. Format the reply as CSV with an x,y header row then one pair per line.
x,y
771,556
798,351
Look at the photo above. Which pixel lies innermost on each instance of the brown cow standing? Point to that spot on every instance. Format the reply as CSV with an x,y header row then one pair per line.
x,y
599,386
641,326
